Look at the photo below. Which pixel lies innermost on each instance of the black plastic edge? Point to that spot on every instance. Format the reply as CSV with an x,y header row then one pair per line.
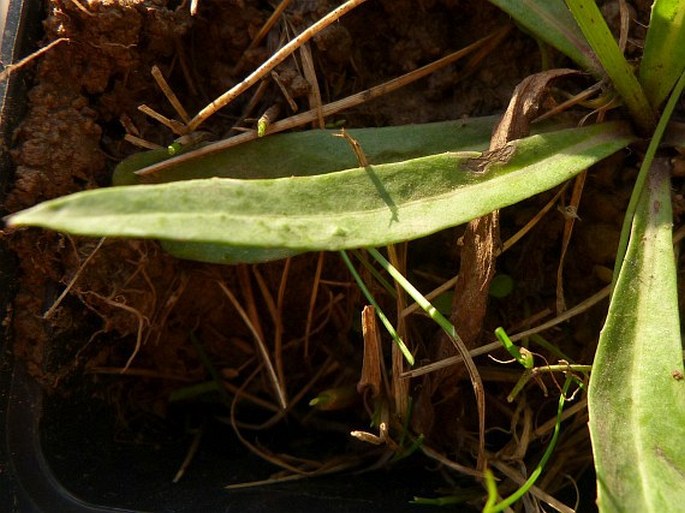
x,y
21,30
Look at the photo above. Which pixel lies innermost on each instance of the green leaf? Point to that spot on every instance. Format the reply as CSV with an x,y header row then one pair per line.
x,y
299,153
358,207
551,22
645,167
636,397
618,70
663,59
312,152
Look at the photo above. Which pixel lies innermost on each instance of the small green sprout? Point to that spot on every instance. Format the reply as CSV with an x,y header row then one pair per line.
x,y
522,355
337,398
174,148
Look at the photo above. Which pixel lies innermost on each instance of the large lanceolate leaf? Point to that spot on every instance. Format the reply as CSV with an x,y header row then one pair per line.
x,y
663,59
311,152
358,207
636,396
551,21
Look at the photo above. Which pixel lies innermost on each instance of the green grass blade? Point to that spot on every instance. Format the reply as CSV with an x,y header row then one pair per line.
x,y
618,70
379,311
551,22
413,292
357,207
663,58
492,506
636,396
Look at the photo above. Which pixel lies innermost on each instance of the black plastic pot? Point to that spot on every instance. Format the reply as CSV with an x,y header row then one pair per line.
x,y
70,463
62,456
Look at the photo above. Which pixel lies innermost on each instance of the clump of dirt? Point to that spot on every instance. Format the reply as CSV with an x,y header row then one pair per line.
x,y
81,87
131,307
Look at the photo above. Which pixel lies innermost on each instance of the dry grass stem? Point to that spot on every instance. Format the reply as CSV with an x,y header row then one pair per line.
x,y
624,29
169,93
574,100
173,293
278,321
531,320
314,94
247,111
265,482
193,7
192,451
141,143
11,68
284,91
271,63
569,222
312,302
257,401
51,311
329,109
311,468
265,120
397,254
415,308
568,314
173,125
82,8
533,222
329,366
253,448
478,391
275,310
261,346
268,25
355,146
185,67
142,321
370,378
440,458
565,316
328,468
521,439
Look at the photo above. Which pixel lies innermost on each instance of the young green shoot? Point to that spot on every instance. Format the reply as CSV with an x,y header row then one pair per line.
x,y
451,332
375,273
492,506
425,305
522,355
447,500
383,318
565,367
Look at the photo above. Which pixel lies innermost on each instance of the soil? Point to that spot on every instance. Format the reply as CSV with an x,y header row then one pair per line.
x,y
134,307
